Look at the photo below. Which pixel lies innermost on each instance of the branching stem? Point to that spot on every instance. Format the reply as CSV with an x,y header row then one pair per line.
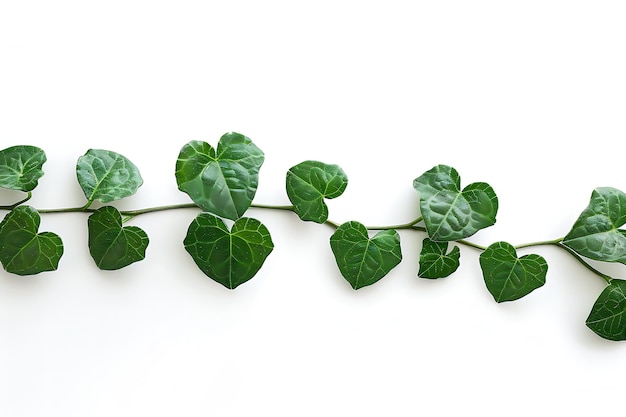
x,y
412,225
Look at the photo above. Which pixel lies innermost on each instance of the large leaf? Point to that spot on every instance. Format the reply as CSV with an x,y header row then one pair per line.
x,y
20,167
112,246
596,234
436,261
451,213
362,260
309,183
228,257
107,176
24,251
223,182
508,277
608,314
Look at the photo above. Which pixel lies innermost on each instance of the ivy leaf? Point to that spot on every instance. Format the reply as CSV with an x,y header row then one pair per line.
x,y
508,277
435,262
228,257
223,182
107,176
596,234
309,183
112,246
449,213
23,251
21,167
363,261
608,314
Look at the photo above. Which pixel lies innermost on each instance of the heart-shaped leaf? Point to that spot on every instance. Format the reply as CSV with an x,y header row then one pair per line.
x,y
21,167
361,260
112,246
228,257
107,176
452,214
508,277
435,261
223,182
23,251
608,314
309,183
596,234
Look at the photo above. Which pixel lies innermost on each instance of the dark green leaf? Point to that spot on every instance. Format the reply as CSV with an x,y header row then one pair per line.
x,y
222,183
596,234
435,262
361,260
608,315
20,167
309,183
452,214
111,245
107,176
23,251
508,277
228,257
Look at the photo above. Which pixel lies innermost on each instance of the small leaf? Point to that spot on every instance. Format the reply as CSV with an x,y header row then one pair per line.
x,y
449,213
309,183
608,314
222,183
596,234
435,262
228,257
107,176
361,260
23,251
112,246
508,277
21,167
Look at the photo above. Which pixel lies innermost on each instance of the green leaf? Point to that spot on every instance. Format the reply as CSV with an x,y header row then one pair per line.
x,y
20,167
361,260
435,261
596,234
228,257
107,176
608,314
309,183
222,183
452,214
23,251
508,277
112,246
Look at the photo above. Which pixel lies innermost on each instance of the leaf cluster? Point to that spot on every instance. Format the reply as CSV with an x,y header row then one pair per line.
x,y
230,247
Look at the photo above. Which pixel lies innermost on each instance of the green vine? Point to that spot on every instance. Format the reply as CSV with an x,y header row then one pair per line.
x,y
222,182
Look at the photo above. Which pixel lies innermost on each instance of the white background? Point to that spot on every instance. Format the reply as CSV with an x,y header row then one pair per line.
x,y
528,96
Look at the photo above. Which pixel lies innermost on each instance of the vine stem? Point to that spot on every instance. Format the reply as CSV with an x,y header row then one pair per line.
x,y
412,225
605,277
559,244
404,226
22,201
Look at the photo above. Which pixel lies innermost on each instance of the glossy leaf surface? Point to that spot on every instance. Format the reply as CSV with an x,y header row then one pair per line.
x,y
24,251
451,213
508,277
596,234
112,246
363,260
228,257
222,182
107,176
608,314
21,167
436,261
309,183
